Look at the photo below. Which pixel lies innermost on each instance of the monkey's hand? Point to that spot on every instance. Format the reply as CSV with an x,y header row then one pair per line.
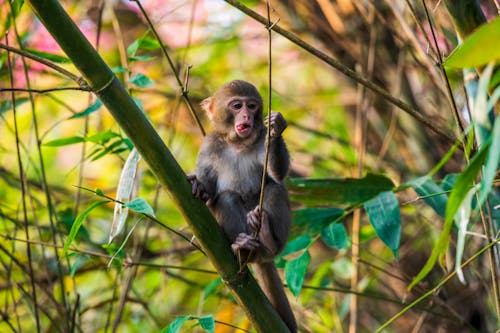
x,y
245,242
259,221
278,124
198,189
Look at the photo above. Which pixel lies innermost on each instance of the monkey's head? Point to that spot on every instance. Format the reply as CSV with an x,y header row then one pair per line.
x,y
235,111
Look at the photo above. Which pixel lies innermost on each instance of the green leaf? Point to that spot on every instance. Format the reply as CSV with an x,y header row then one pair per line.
x,y
449,181
91,109
344,190
492,162
335,236
207,323
383,211
211,287
78,223
50,56
64,141
478,49
432,194
176,324
295,272
312,220
141,80
298,244
102,137
140,206
462,217
457,195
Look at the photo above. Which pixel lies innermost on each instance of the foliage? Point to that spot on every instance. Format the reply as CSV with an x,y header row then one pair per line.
x,y
424,201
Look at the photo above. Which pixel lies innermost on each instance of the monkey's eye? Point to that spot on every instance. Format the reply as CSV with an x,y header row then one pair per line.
x,y
236,105
252,106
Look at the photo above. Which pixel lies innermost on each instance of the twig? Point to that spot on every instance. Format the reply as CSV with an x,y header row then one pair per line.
x,y
437,287
345,70
78,79
184,92
23,194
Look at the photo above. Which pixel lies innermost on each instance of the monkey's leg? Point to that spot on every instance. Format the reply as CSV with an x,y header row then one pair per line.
x,y
229,211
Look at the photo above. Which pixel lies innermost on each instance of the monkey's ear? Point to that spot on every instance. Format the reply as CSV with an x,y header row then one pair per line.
x,y
208,106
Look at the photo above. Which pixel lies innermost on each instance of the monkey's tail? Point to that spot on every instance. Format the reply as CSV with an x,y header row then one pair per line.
x,y
270,282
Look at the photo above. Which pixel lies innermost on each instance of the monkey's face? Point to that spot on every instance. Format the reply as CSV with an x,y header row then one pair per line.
x,y
243,110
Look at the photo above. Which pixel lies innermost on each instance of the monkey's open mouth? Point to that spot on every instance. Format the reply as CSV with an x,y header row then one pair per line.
x,y
243,128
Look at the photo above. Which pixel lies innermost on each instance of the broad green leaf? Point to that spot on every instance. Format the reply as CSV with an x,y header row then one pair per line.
x,y
91,109
298,244
457,195
462,217
141,80
432,194
64,141
207,323
141,58
383,211
335,236
477,49
449,181
140,206
492,163
312,220
295,272
132,48
78,223
50,56
176,324
344,190
102,137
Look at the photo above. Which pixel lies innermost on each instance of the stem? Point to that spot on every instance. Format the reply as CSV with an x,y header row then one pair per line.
x,y
346,71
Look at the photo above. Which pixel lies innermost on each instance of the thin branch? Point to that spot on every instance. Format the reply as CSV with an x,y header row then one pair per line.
x,y
78,79
183,88
346,71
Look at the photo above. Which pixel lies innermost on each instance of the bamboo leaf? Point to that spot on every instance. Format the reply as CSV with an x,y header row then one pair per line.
x,y
64,141
343,191
492,163
298,244
457,195
175,326
141,80
50,56
335,236
383,211
432,194
140,206
311,221
478,49
91,109
207,323
78,223
462,217
295,272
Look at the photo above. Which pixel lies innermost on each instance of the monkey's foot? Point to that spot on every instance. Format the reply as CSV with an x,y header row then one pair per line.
x,y
255,218
197,188
245,242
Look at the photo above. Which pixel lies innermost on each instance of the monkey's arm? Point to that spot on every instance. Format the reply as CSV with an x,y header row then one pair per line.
x,y
279,159
204,181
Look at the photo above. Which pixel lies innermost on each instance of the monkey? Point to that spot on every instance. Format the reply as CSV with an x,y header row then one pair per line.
x,y
228,178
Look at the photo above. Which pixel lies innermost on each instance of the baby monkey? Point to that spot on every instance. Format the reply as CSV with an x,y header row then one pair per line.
x,y
228,178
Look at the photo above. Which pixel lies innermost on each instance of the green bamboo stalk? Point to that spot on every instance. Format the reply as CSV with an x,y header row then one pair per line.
x,y
161,161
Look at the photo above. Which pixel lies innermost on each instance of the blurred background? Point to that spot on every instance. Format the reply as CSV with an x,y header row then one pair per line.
x,y
337,129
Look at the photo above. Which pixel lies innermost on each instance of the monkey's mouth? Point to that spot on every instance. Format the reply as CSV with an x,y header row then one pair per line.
x,y
243,129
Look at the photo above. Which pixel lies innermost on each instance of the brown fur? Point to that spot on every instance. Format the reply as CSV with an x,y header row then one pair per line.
x,y
228,176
